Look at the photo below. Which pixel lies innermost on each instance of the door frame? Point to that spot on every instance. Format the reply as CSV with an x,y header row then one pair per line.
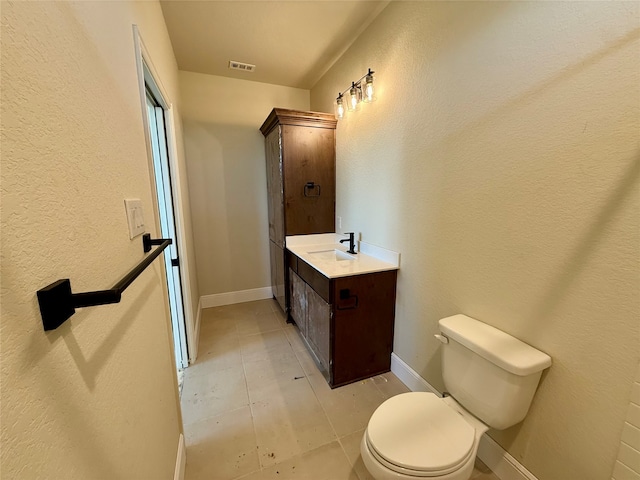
x,y
143,58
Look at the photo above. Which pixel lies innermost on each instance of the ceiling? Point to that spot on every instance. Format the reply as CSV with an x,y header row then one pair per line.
x,y
292,43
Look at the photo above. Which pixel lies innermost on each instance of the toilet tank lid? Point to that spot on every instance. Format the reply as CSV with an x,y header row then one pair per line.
x,y
494,345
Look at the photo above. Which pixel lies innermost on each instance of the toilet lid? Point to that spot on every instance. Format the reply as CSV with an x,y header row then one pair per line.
x,y
418,431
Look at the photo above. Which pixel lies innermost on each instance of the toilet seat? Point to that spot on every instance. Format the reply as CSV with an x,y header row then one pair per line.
x,y
420,435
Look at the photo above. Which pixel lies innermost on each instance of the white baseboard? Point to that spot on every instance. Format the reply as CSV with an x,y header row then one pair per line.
x,y
181,460
229,298
410,377
493,455
501,462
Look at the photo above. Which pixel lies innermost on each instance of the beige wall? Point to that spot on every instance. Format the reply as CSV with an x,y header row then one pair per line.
x,y
96,398
227,176
504,153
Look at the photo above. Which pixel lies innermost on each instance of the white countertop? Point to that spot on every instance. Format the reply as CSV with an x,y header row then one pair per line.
x,y
318,251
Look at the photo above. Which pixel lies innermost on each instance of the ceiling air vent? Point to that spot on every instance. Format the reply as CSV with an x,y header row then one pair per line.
x,y
245,67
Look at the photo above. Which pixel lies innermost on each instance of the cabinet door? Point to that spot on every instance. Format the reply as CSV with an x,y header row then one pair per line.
x,y
275,187
298,298
277,272
319,326
309,156
363,325
274,276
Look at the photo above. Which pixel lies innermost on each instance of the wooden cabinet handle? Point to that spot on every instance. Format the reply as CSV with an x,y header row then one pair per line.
x,y
345,294
311,186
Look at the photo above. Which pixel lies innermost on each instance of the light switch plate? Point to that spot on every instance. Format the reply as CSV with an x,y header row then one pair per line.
x,y
135,216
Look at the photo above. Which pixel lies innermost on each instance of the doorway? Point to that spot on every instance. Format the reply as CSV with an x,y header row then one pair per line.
x,y
157,124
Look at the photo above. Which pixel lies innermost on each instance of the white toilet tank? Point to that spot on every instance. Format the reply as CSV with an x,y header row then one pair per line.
x,y
490,373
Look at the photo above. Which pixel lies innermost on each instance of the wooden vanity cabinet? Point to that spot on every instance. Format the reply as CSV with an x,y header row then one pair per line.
x,y
347,322
301,183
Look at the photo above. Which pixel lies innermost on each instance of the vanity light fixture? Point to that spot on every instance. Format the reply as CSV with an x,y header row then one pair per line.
x,y
358,92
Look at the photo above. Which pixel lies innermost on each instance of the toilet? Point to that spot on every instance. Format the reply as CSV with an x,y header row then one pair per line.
x,y
490,378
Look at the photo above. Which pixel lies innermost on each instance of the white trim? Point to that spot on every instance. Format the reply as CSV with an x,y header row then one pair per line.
x,y
181,460
143,53
196,333
142,57
501,462
410,377
229,298
493,455
139,49
183,253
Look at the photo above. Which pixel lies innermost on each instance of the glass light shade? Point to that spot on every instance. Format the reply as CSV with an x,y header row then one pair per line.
x,y
355,97
369,93
340,109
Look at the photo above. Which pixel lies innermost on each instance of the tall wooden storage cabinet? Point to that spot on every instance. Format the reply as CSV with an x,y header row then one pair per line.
x,y
301,183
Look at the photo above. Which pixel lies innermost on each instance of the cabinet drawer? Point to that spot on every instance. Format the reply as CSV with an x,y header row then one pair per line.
x,y
315,279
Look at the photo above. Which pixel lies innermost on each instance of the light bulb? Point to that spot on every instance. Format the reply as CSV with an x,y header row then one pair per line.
x,y
368,88
340,106
355,96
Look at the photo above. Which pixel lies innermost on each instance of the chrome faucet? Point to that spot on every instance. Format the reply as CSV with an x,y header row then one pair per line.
x,y
352,242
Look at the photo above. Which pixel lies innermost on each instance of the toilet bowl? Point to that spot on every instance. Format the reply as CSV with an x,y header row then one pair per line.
x,y
492,378
420,435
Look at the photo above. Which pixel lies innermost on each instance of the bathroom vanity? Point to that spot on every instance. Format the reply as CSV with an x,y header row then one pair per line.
x,y
343,305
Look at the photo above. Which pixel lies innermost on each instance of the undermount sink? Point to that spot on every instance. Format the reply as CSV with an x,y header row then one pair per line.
x,y
331,255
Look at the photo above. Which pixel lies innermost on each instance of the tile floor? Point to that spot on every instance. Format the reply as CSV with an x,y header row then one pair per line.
x,y
255,407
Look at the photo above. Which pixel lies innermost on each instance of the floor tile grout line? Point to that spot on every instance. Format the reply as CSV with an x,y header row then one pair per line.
x,y
260,333
335,435
222,412
236,332
242,364
306,378
353,465
344,452
251,399
225,412
253,423
338,438
315,394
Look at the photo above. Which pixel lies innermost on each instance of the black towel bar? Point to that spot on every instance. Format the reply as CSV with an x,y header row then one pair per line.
x,y
57,303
